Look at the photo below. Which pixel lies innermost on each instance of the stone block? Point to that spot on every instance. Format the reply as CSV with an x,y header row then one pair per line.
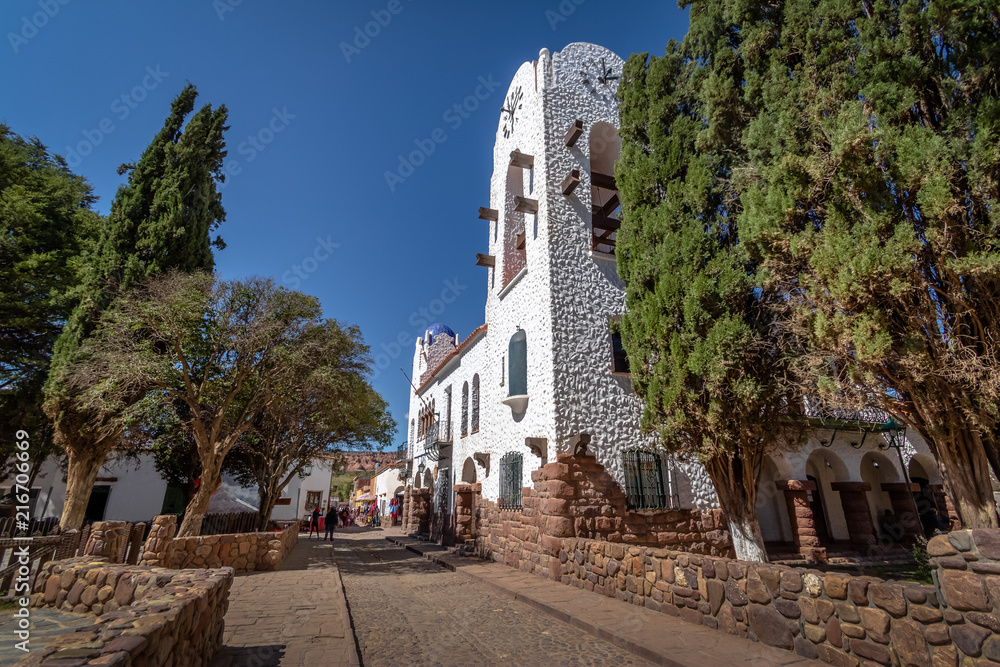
x,y
908,640
963,590
969,638
874,652
836,586
770,627
889,597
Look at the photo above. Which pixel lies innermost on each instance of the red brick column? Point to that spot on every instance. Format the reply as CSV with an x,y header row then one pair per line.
x,y
465,511
901,497
420,511
854,499
800,515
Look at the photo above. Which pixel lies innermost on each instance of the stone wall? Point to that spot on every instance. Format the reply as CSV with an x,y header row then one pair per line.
x,y
839,618
143,615
575,498
243,552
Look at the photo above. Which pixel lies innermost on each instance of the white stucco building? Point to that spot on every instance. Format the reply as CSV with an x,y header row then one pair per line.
x,y
130,489
545,373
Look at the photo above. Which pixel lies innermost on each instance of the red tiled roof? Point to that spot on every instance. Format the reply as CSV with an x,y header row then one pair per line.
x,y
452,355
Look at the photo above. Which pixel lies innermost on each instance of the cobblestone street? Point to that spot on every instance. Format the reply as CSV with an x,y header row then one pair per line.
x,y
409,611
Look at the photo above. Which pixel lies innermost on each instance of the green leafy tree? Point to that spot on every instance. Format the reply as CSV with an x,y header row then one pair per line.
x,y
160,220
48,228
329,408
700,329
228,351
867,138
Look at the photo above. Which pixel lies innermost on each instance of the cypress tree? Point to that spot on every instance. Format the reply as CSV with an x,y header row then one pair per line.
x,y
700,330
161,219
872,177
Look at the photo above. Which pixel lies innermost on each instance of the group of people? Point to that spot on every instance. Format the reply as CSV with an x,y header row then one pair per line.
x,y
333,517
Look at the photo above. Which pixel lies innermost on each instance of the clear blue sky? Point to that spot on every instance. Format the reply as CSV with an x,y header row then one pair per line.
x,y
314,126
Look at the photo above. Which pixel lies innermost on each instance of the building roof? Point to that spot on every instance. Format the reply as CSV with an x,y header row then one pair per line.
x,y
444,362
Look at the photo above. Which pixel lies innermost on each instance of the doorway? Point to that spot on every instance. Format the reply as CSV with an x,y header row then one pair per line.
x,y
97,504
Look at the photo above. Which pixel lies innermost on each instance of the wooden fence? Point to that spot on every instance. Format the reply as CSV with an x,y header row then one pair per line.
x,y
42,527
232,522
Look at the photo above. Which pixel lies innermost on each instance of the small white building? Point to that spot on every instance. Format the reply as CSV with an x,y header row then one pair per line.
x,y
130,489
546,372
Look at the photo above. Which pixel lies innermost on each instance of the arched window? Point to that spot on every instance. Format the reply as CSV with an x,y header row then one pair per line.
x,y
514,257
465,409
510,481
475,403
517,368
605,144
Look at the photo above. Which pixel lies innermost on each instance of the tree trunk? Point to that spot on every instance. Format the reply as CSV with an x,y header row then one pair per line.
x,y
81,473
736,484
965,470
267,502
195,511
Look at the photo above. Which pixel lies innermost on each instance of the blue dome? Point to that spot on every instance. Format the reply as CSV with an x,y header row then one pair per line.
x,y
435,330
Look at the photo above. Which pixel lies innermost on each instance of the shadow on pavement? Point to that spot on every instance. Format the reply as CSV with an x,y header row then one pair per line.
x,y
267,655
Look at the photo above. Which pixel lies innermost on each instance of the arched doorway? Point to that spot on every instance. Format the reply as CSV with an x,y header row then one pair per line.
x,y
923,472
772,510
877,469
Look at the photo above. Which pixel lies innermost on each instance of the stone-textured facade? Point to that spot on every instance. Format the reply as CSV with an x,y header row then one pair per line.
x,y
143,616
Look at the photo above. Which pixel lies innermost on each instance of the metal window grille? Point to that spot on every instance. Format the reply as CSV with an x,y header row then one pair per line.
x,y
510,481
644,487
465,409
475,403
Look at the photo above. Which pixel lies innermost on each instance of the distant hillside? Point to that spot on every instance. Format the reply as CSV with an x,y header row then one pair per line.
x,y
368,461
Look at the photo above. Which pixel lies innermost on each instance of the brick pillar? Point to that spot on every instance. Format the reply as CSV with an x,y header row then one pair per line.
x,y
404,518
106,539
945,507
800,515
420,511
901,497
159,546
854,499
465,511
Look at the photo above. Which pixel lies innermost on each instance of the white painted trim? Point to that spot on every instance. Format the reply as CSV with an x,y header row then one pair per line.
x,y
515,280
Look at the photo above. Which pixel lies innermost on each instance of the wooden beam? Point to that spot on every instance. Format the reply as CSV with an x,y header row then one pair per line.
x,y
522,160
570,182
520,241
488,214
604,222
525,205
485,260
599,180
574,133
608,208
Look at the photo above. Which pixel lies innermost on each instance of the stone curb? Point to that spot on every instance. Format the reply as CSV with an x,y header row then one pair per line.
x,y
632,644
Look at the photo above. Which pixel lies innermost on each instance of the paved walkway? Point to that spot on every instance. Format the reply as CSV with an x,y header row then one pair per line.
x,y
407,611
661,639
295,616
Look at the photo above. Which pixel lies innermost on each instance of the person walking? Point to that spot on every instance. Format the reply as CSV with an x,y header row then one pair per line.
x,y
331,523
314,522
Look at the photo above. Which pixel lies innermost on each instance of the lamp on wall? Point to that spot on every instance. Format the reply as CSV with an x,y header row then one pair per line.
x,y
420,469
